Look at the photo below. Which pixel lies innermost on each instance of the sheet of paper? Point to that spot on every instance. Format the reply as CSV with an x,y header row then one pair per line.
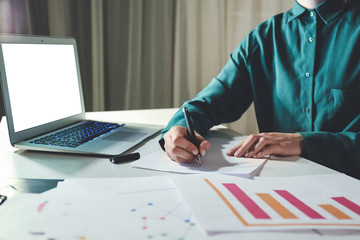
x,y
330,202
19,214
215,160
133,208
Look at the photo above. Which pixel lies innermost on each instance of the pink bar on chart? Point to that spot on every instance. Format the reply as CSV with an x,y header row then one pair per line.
x,y
299,204
349,204
245,200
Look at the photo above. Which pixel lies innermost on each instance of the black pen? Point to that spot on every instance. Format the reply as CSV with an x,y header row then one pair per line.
x,y
125,157
192,133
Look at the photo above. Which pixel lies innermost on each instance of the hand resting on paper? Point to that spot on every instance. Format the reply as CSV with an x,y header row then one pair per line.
x,y
263,144
180,149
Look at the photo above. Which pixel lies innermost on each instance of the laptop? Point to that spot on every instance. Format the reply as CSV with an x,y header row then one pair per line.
x,y
44,104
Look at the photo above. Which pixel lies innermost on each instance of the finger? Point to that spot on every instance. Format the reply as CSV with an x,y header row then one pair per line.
x,y
269,150
204,147
262,144
179,140
179,148
179,159
232,151
178,153
247,145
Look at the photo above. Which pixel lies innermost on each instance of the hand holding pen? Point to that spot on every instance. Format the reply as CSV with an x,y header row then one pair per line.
x,y
191,133
180,148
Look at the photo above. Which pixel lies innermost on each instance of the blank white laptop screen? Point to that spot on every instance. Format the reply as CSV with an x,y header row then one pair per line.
x,y
43,83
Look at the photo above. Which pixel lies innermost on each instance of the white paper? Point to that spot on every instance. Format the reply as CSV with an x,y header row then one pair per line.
x,y
218,210
133,208
215,160
19,214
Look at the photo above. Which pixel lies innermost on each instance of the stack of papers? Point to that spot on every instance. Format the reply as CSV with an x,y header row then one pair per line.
x,y
199,206
214,203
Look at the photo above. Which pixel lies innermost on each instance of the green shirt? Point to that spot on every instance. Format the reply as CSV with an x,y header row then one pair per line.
x,y
301,69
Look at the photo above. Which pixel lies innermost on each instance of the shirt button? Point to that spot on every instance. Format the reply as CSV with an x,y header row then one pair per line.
x,y
307,74
312,14
310,39
307,110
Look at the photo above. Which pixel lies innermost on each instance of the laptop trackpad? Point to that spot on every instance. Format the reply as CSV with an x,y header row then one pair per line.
x,y
125,136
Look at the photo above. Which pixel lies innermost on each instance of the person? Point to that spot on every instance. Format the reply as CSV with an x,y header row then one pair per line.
x,y
301,69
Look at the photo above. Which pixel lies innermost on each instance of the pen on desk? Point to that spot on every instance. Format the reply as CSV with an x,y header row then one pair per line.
x,y
125,157
192,133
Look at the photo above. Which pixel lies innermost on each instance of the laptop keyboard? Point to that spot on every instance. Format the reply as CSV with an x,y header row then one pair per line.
x,y
77,135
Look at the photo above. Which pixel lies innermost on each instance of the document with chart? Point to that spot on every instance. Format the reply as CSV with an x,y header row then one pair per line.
x,y
308,202
102,208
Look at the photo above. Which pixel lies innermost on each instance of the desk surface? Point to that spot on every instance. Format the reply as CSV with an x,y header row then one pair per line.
x,y
35,165
26,164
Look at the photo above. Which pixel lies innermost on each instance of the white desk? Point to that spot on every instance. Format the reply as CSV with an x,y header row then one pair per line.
x,y
25,164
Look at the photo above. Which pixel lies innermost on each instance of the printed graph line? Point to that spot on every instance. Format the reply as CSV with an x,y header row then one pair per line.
x,y
167,214
191,225
245,223
232,208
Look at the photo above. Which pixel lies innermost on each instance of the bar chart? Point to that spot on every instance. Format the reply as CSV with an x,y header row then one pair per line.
x,y
259,205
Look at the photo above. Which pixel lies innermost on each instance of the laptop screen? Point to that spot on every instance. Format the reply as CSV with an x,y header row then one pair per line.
x,y
43,83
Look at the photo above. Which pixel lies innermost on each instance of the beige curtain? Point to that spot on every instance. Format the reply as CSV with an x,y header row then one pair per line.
x,y
138,50
138,54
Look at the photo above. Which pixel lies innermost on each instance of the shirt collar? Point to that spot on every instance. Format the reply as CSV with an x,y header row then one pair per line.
x,y
327,10
296,11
